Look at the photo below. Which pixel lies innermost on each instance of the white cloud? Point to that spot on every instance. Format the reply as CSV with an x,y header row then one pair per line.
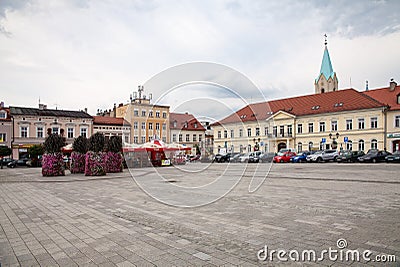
x,y
94,53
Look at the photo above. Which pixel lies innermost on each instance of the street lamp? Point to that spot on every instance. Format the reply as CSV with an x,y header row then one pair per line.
x,y
334,142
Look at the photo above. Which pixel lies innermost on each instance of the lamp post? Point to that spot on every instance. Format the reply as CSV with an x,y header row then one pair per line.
x,y
334,142
256,146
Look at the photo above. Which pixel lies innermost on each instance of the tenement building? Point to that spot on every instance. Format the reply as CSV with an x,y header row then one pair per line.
x,y
328,119
147,120
187,130
110,126
31,126
5,126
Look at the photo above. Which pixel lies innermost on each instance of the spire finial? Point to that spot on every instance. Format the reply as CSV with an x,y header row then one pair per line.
x,y
326,40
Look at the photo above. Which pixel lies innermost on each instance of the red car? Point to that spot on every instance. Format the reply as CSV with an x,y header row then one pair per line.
x,y
283,157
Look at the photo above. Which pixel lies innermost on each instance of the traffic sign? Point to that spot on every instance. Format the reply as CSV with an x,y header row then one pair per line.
x,y
323,140
346,139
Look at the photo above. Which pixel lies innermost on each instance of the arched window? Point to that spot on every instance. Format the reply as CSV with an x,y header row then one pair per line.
x,y
361,145
374,144
310,146
349,145
322,90
299,147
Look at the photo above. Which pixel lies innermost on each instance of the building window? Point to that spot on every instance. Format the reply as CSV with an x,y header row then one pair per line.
x,y
143,113
232,134
310,146
248,132
135,125
257,131
289,130
143,139
195,125
374,144
150,113
84,132
225,134
361,145
275,131
300,128
349,145
164,139
397,121
187,137
70,132
126,138
200,137
157,114
240,132
194,138
39,132
55,130
334,126
299,147
3,115
374,123
180,137
24,131
174,138
322,126
150,126
311,127
143,126
164,115
219,134
164,126
282,130
157,126
349,125
136,113
136,139
266,131
3,137
361,124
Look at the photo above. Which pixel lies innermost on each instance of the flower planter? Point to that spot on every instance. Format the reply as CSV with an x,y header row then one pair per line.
x,y
53,164
78,162
95,164
114,162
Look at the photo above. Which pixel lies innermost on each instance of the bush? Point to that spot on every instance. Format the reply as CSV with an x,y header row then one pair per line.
x,y
77,162
53,165
80,145
53,143
95,164
96,142
114,162
5,151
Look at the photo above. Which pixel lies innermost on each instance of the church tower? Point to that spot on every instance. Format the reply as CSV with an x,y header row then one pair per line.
x,y
327,80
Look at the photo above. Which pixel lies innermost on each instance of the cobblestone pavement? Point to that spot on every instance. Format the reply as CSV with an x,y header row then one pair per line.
x,y
109,221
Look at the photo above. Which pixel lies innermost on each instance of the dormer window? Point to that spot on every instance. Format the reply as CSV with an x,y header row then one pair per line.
x,y
175,124
3,115
398,99
195,125
186,125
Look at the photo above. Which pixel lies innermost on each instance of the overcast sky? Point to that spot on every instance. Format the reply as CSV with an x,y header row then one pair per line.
x,y
82,53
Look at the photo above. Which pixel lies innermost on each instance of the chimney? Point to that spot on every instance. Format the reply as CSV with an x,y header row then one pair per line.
x,y
85,110
393,85
42,106
120,105
366,85
1,104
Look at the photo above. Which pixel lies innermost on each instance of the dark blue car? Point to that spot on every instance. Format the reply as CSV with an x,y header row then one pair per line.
x,y
301,157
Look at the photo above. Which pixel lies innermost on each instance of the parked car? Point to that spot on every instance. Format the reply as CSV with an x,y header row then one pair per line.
x,y
35,162
349,156
222,157
395,157
5,161
323,156
235,157
266,157
374,156
19,162
283,156
300,157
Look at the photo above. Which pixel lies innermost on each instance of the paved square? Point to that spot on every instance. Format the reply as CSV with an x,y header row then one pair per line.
x,y
109,221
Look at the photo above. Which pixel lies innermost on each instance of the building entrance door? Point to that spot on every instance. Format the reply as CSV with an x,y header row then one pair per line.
x,y
396,145
281,145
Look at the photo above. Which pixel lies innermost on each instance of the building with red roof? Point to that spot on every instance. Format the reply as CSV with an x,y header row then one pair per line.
x,y
186,129
111,126
390,96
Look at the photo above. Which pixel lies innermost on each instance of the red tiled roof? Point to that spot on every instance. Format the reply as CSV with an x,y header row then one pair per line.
x,y
342,100
385,96
104,120
181,119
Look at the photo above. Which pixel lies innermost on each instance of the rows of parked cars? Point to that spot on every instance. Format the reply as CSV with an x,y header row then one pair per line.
x,y
289,155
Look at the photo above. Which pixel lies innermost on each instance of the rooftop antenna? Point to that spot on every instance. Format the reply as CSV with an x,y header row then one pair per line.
x,y
366,85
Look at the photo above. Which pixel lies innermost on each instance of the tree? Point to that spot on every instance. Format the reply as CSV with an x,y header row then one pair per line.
x,y
5,151
35,151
